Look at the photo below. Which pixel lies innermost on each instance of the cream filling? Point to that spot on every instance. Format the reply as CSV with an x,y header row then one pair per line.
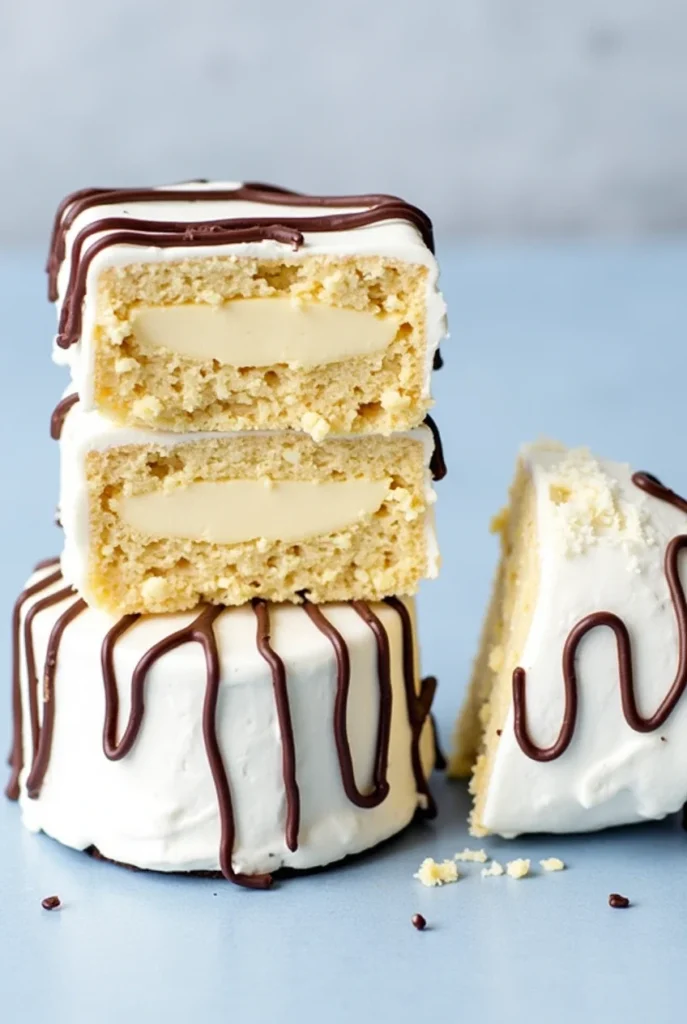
x,y
231,511
263,332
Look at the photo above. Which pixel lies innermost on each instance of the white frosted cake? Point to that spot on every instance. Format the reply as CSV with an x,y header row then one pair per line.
x,y
220,672
238,740
576,715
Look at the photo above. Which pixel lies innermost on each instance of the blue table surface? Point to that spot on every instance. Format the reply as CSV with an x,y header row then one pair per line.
x,y
581,342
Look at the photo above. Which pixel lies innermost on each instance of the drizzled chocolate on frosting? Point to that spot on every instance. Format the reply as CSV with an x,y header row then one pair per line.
x,y
201,631
59,414
652,486
188,234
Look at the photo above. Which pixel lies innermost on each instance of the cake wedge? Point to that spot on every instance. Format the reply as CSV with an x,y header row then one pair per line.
x,y
576,716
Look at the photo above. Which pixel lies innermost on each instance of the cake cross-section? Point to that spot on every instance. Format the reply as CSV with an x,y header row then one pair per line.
x,y
217,306
155,522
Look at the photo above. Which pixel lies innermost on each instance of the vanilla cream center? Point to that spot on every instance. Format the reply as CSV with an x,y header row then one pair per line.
x,y
231,511
263,332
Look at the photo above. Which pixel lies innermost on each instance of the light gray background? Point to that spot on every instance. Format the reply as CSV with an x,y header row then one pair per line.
x,y
500,116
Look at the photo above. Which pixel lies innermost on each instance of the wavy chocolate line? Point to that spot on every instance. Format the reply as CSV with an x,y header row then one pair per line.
x,y
652,486
281,700
41,757
59,414
381,207
380,785
15,759
419,705
163,234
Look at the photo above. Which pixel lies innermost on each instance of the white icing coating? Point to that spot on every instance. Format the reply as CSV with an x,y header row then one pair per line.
x,y
396,239
600,549
157,807
91,431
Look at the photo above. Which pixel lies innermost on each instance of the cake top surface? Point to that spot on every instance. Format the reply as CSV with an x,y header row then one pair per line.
x,y
204,215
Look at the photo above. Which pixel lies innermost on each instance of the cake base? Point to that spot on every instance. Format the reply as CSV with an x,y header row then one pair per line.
x,y
238,740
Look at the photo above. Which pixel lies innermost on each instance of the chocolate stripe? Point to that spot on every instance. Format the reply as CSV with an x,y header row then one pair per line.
x,y
281,699
419,705
254,192
199,631
380,787
41,757
60,414
437,465
385,694
29,654
16,759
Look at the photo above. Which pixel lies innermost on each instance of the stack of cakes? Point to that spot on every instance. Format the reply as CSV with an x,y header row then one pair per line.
x,y
221,672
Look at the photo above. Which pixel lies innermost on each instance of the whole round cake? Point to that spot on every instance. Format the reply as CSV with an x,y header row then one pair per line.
x,y
239,740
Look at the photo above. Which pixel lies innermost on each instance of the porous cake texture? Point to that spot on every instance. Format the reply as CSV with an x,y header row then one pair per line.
x,y
576,706
176,315
158,522
238,740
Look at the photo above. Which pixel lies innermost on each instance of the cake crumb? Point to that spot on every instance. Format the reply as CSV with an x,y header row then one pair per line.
x,y
419,922
476,856
493,871
315,425
519,868
148,408
432,872
154,588
51,903
552,864
618,902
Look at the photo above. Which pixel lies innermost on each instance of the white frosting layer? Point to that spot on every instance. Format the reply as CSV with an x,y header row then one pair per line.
x,y
90,431
157,807
396,239
601,544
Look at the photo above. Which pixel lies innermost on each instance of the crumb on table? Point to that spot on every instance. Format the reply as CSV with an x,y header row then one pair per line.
x,y
432,872
518,868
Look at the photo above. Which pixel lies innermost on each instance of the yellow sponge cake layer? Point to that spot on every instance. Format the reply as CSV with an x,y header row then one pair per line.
x,y
157,522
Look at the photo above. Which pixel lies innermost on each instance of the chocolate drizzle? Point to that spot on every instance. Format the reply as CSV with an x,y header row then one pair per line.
x,y
147,233
41,752
201,631
437,465
419,705
15,759
652,486
60,413
380,787
281,699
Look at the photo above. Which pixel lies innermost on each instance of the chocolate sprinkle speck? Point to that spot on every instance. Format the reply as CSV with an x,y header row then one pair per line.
x,y
51,903
499,732
617,901
419,922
